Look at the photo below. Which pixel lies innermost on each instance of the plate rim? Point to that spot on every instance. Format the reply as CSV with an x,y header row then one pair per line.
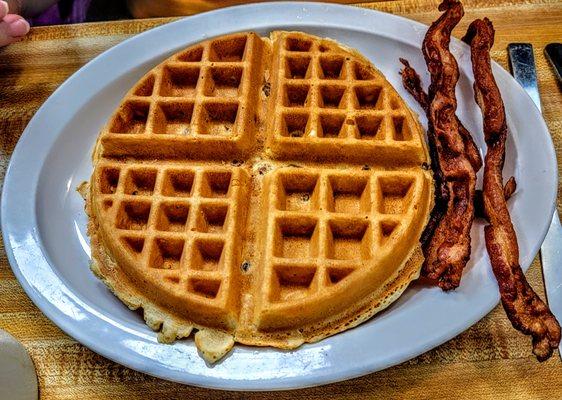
x,y
50,309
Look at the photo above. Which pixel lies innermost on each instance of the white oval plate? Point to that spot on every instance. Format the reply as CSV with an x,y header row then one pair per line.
x,y
44,225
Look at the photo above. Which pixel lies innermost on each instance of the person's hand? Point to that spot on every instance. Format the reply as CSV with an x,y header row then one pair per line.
x,y
12,26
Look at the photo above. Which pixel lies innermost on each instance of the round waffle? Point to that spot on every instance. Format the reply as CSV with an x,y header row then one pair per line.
x,y
268,191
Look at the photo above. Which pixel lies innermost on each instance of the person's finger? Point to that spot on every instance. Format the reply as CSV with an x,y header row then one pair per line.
x,y
12,32
5,39
3,9
12,17
17,26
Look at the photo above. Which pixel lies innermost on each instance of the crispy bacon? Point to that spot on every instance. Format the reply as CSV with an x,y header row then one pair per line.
x,y
446,241
508,190
526,311
412,83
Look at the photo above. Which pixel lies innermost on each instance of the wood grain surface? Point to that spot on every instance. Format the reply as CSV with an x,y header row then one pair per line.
x,y
488,361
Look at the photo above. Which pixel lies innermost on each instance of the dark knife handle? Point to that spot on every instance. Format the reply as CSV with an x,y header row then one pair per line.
x,y
553,52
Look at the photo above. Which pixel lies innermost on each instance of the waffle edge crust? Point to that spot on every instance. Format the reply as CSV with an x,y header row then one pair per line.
x,y
266,191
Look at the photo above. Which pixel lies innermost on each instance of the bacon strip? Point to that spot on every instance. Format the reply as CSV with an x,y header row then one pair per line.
x,y
526,311
508,190
412,83
446,242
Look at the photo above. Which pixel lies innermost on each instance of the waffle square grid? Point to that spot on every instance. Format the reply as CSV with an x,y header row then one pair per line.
x,y
201,95
180,220
325,224
331,105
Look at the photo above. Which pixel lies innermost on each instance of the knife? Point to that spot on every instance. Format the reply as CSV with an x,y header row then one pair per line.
x,y
523,69
553,52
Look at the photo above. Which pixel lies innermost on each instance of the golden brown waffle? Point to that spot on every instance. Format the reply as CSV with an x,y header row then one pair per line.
x,y
341,107
200,103
265,191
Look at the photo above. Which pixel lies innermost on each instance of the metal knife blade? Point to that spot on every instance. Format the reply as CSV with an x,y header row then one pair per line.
x,y
523,69
522,63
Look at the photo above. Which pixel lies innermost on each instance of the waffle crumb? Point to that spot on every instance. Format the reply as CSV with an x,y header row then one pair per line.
x,y
213,344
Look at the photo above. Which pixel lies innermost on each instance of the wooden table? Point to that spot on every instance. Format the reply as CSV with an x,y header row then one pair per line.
x,y
488,361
